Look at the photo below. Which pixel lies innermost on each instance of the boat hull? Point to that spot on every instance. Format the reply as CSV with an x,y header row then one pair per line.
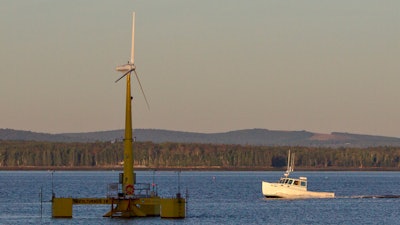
x,y
278,190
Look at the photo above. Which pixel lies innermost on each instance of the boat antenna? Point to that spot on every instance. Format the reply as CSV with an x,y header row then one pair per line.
x,y
290,164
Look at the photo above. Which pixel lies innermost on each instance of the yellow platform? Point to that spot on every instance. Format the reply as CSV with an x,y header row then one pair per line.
x,y
125,207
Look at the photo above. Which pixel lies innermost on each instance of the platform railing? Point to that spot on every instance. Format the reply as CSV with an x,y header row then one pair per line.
x,y
114,190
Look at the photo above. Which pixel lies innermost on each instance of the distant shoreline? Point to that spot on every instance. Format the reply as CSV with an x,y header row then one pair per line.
x,y
110,168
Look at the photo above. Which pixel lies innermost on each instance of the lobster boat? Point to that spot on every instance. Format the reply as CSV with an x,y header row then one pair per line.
x,y
292,188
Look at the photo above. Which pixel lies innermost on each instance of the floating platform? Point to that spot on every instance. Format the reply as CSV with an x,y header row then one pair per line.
x,y
125,207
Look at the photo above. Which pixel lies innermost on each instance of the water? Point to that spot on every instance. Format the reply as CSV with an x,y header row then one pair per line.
x,y
214,197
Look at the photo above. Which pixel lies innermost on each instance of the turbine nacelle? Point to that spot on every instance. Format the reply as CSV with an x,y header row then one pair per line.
x,y
125,68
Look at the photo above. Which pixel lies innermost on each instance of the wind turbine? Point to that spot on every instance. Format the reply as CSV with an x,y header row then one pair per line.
x,y
128,204
128,180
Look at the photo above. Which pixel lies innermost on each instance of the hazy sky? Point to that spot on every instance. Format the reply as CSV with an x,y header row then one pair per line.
x,y
205,65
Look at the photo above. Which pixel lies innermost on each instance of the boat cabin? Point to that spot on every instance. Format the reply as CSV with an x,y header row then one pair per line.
x,y
301,181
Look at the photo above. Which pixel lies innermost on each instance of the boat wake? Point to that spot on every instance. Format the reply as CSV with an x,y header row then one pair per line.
x,y
339,197
371,196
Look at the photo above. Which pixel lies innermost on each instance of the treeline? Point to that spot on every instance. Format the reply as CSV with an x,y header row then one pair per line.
x,y
178,155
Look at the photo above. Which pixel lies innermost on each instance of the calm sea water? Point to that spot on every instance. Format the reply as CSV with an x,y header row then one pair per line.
x,y
213,197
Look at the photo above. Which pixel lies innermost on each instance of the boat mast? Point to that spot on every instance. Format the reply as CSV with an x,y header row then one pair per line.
x,y
290,164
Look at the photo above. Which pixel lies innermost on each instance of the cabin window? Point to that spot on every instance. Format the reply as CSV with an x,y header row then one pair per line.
x,y
296,182
286,181
290,181
303,183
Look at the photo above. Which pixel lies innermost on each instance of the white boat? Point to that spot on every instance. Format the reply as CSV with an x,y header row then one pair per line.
x,y
288,187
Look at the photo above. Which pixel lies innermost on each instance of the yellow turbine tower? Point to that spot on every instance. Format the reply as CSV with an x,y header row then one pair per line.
x,y
129,174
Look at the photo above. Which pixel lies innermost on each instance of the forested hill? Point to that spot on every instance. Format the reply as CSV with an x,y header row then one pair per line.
x,y
262,137
149,155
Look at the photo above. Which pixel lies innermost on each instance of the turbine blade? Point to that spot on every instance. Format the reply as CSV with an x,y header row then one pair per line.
x,y
141,88
123,76
133,39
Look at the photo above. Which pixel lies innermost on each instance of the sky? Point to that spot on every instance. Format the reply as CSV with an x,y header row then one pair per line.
x,y
205,66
